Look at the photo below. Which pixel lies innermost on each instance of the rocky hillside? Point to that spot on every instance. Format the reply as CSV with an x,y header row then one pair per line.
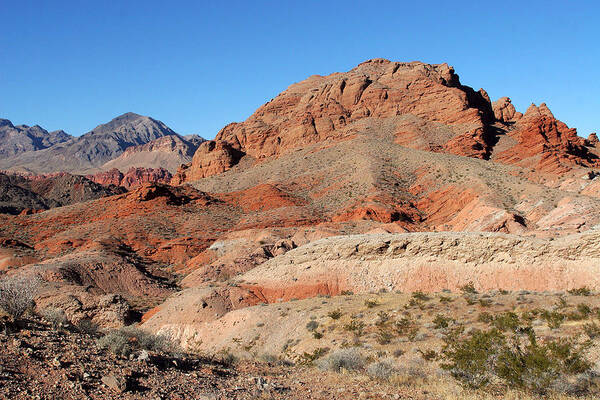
x,y
167,152
92,150
22,138
134,176
26,194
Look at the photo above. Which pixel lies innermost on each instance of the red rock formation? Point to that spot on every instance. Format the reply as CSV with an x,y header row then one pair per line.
x,y
504,111
211,158
323,108
546,144
132,178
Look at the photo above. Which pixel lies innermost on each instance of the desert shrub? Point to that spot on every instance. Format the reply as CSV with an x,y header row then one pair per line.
x,y
345,359
485,302
485,317
470,300
346,293
55,316
309,358
470,360
129,339
312,325
428,355
88,327
335,314
506,321
317,334
592,330
519,362
535,367
17,294
370,303
582,291
418,295
583,311
469,288
356,326
441,322
384,336
445,299
382,318
382,370
554,319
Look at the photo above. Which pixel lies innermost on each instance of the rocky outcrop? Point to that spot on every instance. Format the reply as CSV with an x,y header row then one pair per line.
x,y
504,111
211,158
132,178
546,144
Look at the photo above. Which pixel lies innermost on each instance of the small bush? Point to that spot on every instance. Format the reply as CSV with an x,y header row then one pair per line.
x,y
507,321
370,303
485,317
445,299
441,322
335,314
56,317
382,370
554,319
309,358
418,295
384,336
129,339
526,364
382,318
88,327
346,293
469,288
485,302
356,326
17,294
582,291
312,325
345,359
592,330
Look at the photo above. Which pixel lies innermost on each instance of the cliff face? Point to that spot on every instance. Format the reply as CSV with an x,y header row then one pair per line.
x,y
132,178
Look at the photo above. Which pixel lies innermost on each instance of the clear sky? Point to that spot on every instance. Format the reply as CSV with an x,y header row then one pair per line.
x,y
199,65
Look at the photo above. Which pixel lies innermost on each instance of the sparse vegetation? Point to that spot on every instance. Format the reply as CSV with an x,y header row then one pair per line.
x,y
55,316
382,370
17,294
582,291
345,359
469,288
335,314
129,339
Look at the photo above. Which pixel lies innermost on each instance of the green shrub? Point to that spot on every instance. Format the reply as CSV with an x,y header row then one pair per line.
x,y
446,299
592,330
554,319
470,360
506,321
485,317
582,291
88,327
382,318
309,358
535,367
335,314
383,336
469,288
519,362
356,326
441,322
418,295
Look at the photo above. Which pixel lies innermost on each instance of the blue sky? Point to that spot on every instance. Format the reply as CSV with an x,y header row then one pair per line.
x,y
200,65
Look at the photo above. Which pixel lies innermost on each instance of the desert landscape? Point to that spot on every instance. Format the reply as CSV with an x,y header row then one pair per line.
x,y
385,232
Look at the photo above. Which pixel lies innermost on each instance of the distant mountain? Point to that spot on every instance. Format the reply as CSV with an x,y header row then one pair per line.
x,y
90,151
167,152
22,138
